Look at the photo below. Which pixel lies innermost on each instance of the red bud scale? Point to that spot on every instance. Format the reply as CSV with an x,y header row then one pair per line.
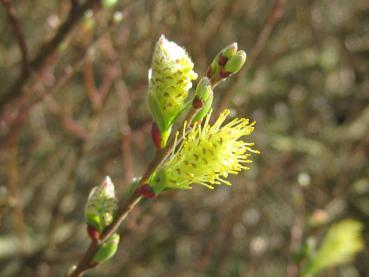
x,y
93,233
146,191
155,135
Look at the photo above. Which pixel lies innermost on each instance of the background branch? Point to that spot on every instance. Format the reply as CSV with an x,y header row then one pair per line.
x,y
46,51
274,16
10,11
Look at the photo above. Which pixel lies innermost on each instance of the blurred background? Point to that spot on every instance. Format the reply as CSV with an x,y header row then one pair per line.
x,y
73,83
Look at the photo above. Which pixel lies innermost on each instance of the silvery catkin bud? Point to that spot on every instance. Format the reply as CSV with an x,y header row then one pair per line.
x,y
101,206
170,79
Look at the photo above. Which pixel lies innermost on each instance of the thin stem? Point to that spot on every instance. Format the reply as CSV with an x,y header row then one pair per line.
x,y
18,33
123,211
270,22
86,261
45,52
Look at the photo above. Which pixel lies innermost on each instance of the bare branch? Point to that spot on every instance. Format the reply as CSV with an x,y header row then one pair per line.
x,y
18,33
45,52
274,16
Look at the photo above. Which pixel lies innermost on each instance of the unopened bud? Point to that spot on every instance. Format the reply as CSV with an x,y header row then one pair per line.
x,y
236,62
203,89
170,80
230,50
106,250
101,205
227,62
204,96
205,108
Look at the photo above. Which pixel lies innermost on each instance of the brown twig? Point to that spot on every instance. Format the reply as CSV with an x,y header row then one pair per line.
x,y
126,132
122,213
56,210
46,51
234,211
18,33
74,5
297,233
13,123
89,80
125,209
274,16
161,155
107,83
14,193
69,124
218,17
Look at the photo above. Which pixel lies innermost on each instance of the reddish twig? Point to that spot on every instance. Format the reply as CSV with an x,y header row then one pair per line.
x,y
85,263
274,16
14,118
69,124
15,195
18,33
126,133
74,5
107,83
122,213
89,80
121,88
296,234
45,52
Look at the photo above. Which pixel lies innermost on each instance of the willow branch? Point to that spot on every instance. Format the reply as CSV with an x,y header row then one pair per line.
x,y
45,52
86,262
9,10
268,26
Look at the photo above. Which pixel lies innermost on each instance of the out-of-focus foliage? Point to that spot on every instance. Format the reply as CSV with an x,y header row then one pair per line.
x,y
340,245
308,90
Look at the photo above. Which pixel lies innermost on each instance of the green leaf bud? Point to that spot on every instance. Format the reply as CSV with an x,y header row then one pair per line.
x,y
229,50
107,250
203,89
343,241
236,62
101,205
205,108
204,92
227,62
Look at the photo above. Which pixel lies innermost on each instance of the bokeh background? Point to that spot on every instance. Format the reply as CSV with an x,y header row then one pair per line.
x,y
74,110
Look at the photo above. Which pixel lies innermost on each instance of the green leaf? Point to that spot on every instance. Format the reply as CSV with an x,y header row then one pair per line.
x,y
95,221
340,245
107,250
236,62
205,109
156,113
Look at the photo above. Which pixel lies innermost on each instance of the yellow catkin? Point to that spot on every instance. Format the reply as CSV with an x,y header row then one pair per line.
x,y
208,154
